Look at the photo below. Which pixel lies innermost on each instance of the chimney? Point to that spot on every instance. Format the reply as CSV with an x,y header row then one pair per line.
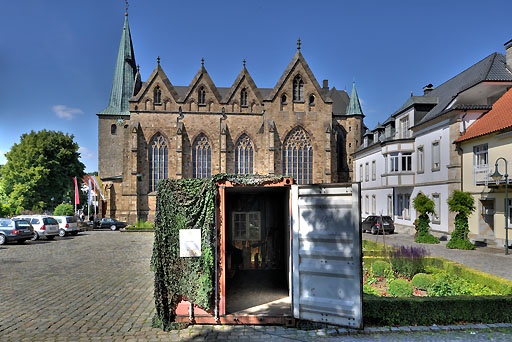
x,y
325,84
508,49
427,89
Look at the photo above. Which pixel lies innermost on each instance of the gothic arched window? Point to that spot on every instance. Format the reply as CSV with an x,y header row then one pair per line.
x,y
244,153
298,89
243,97
298,156
201,157
157,95
158,160
201,96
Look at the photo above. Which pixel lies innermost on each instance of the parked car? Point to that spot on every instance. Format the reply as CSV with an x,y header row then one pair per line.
x,y
378,224
44,226
111,223
67,225
15,230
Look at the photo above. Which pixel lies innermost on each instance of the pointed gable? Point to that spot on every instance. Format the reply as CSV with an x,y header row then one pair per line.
x,y
243,79
202,78
146,88
124,76
297,61
497,119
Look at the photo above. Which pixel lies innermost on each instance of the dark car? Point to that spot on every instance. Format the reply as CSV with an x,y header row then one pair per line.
x,y
110,223
378,224
15,230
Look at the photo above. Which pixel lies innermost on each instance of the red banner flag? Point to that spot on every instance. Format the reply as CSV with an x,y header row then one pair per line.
x,y
77,198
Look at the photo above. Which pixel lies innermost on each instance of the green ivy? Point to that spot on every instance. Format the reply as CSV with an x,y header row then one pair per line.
x,y
187,204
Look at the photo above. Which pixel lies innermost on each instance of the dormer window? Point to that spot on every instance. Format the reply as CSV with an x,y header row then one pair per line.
x,y
157,95
298,89
201,96
243,98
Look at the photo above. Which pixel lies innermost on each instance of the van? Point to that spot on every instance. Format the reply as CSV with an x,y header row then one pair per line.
x,y
67,225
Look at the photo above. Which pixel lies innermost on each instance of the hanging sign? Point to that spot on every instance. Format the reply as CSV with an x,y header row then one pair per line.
x,y
190,243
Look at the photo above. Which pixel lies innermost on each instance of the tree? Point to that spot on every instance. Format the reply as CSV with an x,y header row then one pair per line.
x,y
461,203
64,209
39,168
424,206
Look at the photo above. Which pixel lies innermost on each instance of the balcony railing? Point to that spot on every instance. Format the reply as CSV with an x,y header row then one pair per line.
x,y
481,174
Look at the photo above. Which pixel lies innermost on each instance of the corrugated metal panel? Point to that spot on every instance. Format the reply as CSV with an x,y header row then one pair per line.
x,y
326,254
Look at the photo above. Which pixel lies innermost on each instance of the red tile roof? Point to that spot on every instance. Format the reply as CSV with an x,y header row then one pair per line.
x,y
498,118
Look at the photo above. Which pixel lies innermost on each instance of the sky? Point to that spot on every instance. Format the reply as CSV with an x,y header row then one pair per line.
x,y
57,57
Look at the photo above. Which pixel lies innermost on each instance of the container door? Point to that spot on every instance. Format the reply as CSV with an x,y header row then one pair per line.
x,y
326,254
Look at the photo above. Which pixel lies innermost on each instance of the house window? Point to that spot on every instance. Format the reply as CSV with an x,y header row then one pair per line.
x,y
113,129
404,128
366,172
311,100
436,156
394,161
244,155
201,96
390,205
403,202
481,156
298,89
374,204
421,160
406,162
374,170
243,98
283,99
436,217
157,95
366,204
201,157
361,172
298,156
246,226
158,161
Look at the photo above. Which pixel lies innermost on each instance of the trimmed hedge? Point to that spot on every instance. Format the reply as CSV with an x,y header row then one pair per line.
x,y
383,311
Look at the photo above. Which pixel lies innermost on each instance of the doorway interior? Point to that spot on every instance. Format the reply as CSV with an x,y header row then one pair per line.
x,y
257,251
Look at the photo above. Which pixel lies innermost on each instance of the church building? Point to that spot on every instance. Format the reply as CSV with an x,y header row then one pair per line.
x,y
154,130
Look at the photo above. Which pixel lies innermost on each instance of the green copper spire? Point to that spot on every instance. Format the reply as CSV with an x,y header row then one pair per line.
x,y
124,75
354,107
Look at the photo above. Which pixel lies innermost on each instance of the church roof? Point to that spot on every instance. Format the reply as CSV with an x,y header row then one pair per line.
x,y
124,76
354,106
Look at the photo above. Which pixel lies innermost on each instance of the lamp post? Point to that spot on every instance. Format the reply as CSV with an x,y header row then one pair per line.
x,y
497,177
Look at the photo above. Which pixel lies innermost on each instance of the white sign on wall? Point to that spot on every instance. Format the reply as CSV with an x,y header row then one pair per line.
x,y
190,243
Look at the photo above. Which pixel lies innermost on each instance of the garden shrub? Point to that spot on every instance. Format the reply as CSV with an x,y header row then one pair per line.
x,y
379,268
407,261
422,281
424,206
400,288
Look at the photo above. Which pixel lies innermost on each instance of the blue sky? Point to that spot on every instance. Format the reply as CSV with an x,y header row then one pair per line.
x,y
57,56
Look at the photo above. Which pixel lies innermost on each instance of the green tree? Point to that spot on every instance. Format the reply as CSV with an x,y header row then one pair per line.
x,y
64,209
462,203
424,206
41,167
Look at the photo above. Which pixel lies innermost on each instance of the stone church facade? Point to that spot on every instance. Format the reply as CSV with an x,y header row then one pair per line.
x,y
154,130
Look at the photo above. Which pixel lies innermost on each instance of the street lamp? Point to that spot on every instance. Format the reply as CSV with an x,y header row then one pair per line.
x,y
497,177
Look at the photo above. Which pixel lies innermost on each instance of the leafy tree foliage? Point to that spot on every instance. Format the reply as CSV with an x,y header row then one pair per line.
x,y
463,204
424,206
64,209
41,167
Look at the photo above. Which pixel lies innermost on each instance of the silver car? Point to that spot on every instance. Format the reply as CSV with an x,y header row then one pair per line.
x,y
67,225
44,226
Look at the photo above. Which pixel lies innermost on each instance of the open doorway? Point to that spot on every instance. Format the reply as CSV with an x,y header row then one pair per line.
x,y
257,251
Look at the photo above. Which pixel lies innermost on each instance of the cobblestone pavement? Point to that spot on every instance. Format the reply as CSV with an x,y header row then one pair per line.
x,y
97,286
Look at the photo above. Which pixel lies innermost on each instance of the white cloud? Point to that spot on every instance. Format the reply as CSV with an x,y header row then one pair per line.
x,y
64,112
85,153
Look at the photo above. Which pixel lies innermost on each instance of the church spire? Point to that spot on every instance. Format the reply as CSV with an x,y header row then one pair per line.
x,y
354,106
124,75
